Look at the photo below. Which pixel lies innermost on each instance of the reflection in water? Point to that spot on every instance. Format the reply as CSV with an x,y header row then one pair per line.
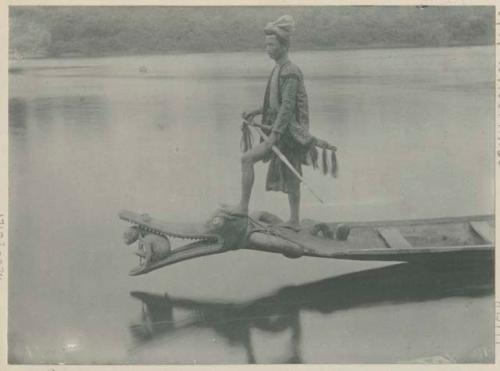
x,y
17,112
73,109
281,310
84,109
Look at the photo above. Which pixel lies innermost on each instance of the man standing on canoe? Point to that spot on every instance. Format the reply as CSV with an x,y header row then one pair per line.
x,y
285,111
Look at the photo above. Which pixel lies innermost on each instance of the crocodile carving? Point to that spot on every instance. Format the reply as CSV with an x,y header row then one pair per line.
x,y
222,232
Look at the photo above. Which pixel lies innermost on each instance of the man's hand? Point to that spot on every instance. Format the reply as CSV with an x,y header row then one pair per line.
x,y
271,140
249,115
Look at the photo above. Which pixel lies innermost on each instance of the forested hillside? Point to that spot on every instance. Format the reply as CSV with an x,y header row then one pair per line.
x,y
95,31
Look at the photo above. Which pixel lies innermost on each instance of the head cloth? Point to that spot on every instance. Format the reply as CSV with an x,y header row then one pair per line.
x,y
283,27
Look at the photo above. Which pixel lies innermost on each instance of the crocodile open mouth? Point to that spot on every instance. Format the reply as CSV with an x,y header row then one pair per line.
x,y
219,233
199,243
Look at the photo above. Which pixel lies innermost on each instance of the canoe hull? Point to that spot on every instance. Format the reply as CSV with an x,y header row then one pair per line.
x,y
408,241
454,240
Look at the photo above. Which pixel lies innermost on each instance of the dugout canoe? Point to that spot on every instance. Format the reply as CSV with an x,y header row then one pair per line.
x,y
457,239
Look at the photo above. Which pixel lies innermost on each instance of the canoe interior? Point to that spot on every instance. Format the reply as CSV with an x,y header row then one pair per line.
x,y
425,235
414,240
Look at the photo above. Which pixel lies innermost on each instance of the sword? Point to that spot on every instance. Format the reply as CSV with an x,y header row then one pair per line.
x,y
283,158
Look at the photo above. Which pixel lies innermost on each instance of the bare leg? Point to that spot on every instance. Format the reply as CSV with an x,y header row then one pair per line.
x,y
294,201
248,159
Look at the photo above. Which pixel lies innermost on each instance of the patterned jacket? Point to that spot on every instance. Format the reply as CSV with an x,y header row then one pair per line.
x,y
291,120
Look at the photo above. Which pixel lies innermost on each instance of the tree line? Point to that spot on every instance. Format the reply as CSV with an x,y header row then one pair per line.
x,y
96,31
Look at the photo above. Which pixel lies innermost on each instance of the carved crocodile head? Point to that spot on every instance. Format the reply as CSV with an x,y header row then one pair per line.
x,y
221,232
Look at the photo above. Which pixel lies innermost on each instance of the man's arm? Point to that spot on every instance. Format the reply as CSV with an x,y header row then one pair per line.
x,y
288,103
257,111
249,115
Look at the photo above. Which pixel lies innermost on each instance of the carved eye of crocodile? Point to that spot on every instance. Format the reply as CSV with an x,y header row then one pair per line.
x,y
217,221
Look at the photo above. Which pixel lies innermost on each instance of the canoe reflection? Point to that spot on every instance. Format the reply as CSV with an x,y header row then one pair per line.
x,y
280,310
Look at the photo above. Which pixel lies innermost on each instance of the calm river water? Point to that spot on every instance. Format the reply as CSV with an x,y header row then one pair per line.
x,y
89,137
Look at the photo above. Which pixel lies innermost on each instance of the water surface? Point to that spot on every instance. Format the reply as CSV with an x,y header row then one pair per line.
x,y
89,137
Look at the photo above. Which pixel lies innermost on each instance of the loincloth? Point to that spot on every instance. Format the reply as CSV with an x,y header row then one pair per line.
x,y
279,176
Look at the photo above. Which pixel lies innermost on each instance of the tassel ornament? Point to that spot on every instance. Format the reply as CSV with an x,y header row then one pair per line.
x,y
329,163
334,165
324,161
314,157
246,142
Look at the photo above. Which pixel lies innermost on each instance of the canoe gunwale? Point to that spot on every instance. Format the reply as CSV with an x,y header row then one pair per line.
x,y
416,222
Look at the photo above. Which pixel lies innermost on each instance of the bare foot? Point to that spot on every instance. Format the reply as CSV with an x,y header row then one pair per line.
x,y
235,209
291,224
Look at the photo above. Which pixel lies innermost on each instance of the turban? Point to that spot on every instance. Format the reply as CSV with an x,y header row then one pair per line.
x,y
282,27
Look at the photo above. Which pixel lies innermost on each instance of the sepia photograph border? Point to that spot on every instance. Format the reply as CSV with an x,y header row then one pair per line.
x,y
4,181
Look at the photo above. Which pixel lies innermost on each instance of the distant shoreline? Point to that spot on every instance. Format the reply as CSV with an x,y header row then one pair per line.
x,y
12,56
